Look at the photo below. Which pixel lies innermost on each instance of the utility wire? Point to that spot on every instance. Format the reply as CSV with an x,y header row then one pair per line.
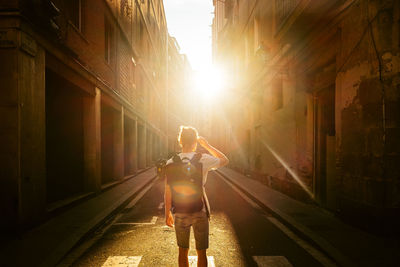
x,y
359,41
383,100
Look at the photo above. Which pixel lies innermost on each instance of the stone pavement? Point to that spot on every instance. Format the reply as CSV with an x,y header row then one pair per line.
x,y
49,242
347,245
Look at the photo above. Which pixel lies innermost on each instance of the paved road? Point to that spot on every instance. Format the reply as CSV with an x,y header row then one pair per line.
x,y
240,235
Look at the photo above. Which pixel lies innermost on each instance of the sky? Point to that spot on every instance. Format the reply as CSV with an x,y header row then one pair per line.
x,y
189,21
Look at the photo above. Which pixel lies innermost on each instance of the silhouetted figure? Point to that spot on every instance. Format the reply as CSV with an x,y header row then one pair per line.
x,y
185,200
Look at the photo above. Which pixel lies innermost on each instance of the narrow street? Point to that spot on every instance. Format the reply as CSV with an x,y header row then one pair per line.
x,y
240,235
296,102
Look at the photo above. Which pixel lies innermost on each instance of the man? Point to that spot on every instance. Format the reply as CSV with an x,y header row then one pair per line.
x,y
199,220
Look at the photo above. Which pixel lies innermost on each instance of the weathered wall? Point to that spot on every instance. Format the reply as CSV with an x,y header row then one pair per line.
x,y
337,128
9,154
22,128
32,134
367,113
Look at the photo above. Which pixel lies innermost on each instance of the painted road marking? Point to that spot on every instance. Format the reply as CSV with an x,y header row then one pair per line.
x,y
325,261
161,206
272,261
152,222
78,252
134,261
319,256
193,261
122,261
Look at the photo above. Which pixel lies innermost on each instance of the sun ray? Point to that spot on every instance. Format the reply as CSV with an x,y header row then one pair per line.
x,y
288,169
208,84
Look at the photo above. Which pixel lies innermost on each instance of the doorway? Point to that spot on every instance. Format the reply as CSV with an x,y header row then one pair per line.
x,y
64,139
130,149
325,144
110,137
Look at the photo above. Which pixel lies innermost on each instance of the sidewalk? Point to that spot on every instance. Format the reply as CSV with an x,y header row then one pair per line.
x,y
347,245
49,242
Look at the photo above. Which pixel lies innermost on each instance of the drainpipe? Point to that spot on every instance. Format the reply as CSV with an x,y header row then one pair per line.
x,y
314,144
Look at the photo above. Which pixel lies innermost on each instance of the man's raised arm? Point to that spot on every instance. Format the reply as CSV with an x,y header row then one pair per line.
x,y
213,151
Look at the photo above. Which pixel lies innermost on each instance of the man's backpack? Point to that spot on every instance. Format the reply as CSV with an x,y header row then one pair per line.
x,y
185,177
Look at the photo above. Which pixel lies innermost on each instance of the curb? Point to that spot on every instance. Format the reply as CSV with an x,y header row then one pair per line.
x,y
303,231
50,242
94,224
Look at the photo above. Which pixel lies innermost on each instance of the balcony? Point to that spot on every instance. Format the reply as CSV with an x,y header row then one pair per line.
x,y
296,19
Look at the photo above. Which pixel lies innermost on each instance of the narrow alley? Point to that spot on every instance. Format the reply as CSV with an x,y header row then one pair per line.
x,y
235,237
113,113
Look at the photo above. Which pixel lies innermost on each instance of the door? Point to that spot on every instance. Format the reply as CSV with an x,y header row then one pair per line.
x,y
325,142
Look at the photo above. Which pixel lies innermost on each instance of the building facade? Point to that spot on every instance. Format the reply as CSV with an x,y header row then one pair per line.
x,y
82,100
314,109
180,76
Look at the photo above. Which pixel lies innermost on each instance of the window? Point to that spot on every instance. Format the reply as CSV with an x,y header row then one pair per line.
x,y
133,71
139,28
108,40
137,20
277,94
140,32
256,34
74,13
258,107
248,145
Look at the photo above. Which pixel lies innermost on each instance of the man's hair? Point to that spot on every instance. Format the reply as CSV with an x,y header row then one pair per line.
x,y
187,136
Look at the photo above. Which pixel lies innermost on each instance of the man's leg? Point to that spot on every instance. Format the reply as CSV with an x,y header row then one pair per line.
x,y
201,231
202,258
183,258
182,231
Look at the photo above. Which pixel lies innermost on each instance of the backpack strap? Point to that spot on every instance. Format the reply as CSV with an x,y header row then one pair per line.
x,y
176,158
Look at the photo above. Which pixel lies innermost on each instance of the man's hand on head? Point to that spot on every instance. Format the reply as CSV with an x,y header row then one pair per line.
x,y
213,151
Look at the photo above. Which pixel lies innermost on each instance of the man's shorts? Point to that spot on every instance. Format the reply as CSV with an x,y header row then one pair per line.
x,y
199,222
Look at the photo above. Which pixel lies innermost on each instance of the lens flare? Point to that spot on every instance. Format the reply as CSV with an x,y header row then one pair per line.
x,y
208,84
289,170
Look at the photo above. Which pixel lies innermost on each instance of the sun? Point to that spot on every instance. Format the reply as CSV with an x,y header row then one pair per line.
x,y
208,84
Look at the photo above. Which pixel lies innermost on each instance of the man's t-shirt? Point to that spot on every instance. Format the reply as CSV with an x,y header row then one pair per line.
x,y
209,163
